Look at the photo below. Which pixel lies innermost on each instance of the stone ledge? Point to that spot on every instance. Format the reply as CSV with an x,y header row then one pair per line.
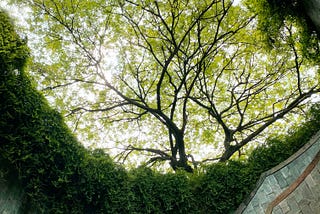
x,y
282,175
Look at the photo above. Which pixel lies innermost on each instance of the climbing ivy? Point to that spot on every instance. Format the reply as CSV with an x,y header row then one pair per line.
x,y
13,49
58,175
275,16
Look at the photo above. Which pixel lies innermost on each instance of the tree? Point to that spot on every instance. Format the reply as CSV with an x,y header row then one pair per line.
x,y
273,16
305,9
196,72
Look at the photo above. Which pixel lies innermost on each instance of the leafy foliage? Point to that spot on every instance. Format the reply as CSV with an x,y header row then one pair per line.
x,y
59,176
35,140
217,185
278,149
160,193
196,72
13,50
275,16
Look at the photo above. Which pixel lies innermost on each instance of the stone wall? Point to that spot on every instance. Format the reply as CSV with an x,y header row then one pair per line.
x,y
291,187
306,198
10,195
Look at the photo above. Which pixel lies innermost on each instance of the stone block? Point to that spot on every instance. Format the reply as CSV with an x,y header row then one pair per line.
x,y
285,172
277,210
305,191
295,172
255,201
316,174
281,180
267,188
284,207
306,209
297,197
273,184
249,209
315,206
292,203
300,165
310,182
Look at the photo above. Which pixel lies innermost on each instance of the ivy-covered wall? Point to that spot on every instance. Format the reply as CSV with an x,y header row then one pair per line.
x,y
44,169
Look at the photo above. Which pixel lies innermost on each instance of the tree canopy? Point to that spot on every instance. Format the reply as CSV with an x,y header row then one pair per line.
x,y
56,174
273,17
182,82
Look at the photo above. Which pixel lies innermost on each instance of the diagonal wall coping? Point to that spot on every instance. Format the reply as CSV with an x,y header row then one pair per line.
x,y
277,168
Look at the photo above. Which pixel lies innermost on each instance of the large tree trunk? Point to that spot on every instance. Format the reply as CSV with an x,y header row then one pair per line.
x,y
312,9
182,162
228,153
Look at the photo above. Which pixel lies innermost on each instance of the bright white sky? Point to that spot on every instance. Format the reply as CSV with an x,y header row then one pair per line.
x,y
18,13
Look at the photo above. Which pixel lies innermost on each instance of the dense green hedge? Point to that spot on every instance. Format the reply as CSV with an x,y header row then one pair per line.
x,y
59,175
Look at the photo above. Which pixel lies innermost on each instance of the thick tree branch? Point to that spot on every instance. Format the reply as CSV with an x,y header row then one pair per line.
x,y
294,104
